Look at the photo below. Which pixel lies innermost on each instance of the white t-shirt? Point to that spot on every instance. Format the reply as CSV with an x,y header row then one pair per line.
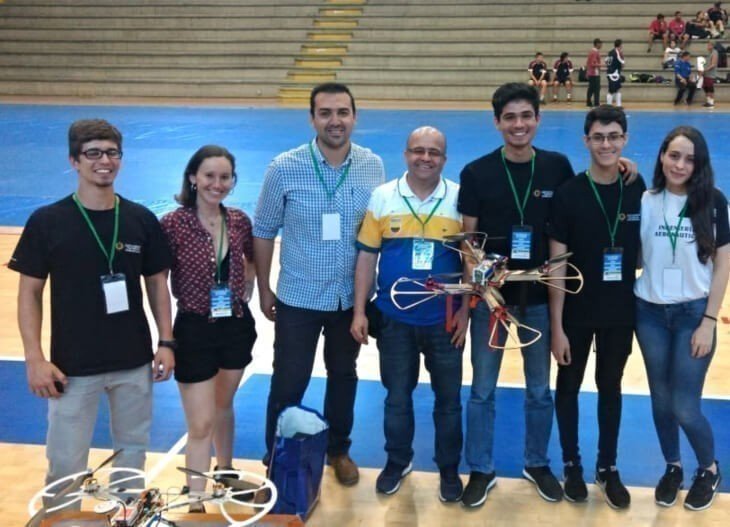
x,y
656,252
671,53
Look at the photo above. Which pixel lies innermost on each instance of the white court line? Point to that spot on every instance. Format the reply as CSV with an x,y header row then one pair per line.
x,y
14,358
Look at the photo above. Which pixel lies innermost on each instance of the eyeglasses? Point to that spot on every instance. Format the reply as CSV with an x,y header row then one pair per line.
x,y
97,153
613,138
432,152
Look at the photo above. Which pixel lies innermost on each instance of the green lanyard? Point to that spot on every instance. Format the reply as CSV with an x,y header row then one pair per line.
x,y
418,218
520,206
611,229
109,255
330,193
672,235
218,258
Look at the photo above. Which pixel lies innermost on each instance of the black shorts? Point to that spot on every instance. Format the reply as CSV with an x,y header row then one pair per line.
x,y
204,346
614,86
560,79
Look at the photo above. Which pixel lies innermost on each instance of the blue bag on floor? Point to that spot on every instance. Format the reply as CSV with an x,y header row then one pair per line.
x,y
297,462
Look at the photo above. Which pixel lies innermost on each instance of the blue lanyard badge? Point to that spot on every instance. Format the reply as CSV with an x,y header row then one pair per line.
x,y
521,242
612,260
220,301
422,256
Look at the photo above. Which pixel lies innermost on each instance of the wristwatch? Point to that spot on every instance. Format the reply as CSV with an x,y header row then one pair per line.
x,y
167,344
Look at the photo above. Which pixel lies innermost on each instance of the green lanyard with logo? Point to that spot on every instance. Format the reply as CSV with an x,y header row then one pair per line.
x,y
523,204
672,235
330,193
108,254
418,218
612,229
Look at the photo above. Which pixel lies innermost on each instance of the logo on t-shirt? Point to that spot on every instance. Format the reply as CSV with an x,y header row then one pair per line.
x,y
544,194
130,248
633,217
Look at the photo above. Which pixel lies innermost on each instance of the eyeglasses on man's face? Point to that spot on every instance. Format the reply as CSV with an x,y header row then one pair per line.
x,y
613,138
95,154
432,152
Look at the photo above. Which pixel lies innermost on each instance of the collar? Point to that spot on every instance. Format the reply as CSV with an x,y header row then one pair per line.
x,y
323,161
405,190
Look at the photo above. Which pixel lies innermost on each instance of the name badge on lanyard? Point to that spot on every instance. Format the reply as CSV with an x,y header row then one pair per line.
x,y
422,256
672,282
521,242
331,227
114,287
612,260
221,301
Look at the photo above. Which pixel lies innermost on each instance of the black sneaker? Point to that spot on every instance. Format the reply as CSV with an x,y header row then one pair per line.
x,y
616,494
573,484
450,486
390,477
475,493
668,487
546,483
702,492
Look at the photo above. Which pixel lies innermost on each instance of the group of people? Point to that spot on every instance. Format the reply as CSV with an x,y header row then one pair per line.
x,y
687,81
539,76
344,231
708,23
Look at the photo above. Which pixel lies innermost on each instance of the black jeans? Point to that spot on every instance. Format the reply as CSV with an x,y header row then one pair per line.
x,y
296,332
594,90
613,347
690,88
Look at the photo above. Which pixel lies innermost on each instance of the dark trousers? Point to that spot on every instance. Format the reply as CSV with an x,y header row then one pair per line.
x,y
594,90
296,332
690,88
613,347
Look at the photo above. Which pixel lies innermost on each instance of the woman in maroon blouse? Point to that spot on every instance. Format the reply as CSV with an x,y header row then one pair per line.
x,y
212,280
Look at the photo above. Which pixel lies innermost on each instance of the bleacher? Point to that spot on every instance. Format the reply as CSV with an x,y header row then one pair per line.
x,y
387,50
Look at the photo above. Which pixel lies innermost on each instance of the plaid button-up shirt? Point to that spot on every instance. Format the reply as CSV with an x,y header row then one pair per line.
x,y
315,273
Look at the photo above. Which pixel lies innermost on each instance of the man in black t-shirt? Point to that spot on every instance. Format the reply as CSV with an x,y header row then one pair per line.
x,y
614,66
95,246
596,217
507,195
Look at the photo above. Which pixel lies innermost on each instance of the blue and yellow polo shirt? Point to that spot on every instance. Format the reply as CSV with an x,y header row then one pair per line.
x,y
391,228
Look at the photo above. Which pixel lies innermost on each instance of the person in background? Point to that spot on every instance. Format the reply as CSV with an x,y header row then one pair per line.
x,y
562,70
658,30
539,75
683,79
593,72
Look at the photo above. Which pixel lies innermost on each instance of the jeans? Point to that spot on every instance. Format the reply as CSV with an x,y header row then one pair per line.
x,y
613,347
71,420
400,346
675,377
296,332
480,411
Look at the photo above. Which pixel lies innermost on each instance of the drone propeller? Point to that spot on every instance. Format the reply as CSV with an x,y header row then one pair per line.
x,y
73,486
234,483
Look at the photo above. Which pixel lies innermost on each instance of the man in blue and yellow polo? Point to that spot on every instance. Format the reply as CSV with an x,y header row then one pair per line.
x,y
405,224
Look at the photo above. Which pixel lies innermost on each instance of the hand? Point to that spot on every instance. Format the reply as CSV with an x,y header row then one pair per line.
x,y
267,301
163,364
460,325
248,291
359,328
702,338
628,170
560,347
42,376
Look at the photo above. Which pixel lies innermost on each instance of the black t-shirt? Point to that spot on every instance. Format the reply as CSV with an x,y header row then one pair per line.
x,y
485,193
57,241
577,221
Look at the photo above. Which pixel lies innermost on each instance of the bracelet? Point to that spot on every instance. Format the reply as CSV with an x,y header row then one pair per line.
x,y
710,317
167,344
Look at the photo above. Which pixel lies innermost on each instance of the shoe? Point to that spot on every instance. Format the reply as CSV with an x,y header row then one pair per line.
x,y
390,477
616,494
555,98
702,492
475,493
666,490
345,468
648,50
574,487
450,486
708,105
546,483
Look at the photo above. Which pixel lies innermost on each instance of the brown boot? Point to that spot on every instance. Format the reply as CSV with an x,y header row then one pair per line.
x,y
345,469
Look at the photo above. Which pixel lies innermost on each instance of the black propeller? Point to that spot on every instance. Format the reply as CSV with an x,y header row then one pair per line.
x,y
234,483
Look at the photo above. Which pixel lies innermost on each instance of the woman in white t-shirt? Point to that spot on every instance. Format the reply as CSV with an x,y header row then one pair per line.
x,y
671,53
685,241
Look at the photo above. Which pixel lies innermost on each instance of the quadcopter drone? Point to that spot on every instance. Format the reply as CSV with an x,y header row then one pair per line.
x,y
488,275
121,506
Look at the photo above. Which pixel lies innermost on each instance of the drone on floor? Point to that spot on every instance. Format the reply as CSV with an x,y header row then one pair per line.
x,y
488,275
120,504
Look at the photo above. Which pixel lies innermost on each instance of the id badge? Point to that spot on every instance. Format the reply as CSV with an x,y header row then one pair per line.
x,y
672,282
521,242
612,259
220,301
114,287
422,257
331,226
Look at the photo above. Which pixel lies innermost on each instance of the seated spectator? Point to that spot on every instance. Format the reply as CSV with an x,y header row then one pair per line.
x,y
699,26
658,31
683,78
539,75
718,17
671,54
677,29
562,69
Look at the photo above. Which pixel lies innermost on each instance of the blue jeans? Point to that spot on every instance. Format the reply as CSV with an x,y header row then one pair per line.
x,y
480,410
400,346
664,332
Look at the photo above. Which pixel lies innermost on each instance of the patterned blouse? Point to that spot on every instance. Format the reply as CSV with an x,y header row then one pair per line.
x,y
193,268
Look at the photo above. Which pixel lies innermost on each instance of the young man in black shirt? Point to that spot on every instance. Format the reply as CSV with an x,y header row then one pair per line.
x,y
95,246
596,217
